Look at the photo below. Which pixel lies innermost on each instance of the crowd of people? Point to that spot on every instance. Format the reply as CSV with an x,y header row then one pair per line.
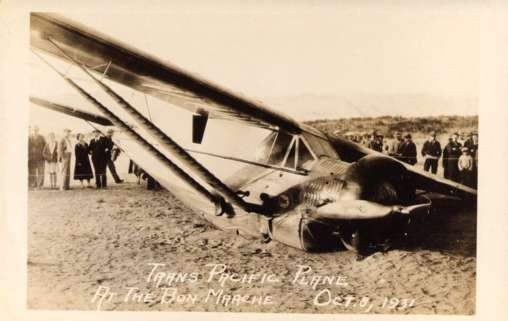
x,y
57,155
459,157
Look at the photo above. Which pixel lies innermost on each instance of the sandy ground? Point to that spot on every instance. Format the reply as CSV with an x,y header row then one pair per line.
x,y
80,241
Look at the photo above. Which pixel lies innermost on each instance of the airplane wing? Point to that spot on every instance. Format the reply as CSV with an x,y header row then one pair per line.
x,y
71,111
140,71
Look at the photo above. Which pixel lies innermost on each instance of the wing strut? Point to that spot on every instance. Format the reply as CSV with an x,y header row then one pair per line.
x,y
134,135
202,172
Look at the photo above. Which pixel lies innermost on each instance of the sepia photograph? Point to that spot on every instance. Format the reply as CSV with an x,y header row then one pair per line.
x,y
321,158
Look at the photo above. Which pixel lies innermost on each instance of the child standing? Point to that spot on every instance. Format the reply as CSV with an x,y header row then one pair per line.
x,y
465,165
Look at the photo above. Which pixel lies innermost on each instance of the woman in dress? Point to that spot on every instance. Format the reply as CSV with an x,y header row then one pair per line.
x,y
82,168
50,154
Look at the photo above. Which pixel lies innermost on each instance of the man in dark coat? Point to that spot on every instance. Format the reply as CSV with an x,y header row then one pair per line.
x,y
113,153
472,146
99,150
407,150
376,142
431,152
36,143
451,154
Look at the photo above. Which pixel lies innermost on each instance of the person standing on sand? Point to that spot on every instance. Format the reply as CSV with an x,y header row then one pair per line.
x,y
392,146
431,152
50,154
451,156
376,142
64,157
113,152
465,165
99,150
36,143
82,168
472,145
445,160
407,150
461,139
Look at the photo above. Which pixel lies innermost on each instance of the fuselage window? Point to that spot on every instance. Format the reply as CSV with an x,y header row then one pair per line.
x,y
319,147
274,148
290,151
280,148
265,148
305,157
291,159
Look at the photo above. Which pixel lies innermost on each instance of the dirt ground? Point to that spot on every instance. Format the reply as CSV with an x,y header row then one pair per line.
x,y
84,241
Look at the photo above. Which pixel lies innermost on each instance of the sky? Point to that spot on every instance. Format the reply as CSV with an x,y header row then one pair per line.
x,y
313,49
278,54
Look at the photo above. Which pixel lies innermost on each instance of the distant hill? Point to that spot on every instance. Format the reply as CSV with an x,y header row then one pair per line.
x,y
306,107
386,125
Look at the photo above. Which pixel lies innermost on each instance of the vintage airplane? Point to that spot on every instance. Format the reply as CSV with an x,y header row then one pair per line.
x,y
304,189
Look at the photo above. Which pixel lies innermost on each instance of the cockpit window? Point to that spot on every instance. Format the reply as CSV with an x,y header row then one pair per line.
x,y
304,155
265,148
274,148
291,159
282,149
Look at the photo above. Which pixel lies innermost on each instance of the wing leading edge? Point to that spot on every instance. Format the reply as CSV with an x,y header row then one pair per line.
x,y
140,71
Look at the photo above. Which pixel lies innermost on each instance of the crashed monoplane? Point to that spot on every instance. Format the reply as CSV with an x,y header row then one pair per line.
x,y
304,189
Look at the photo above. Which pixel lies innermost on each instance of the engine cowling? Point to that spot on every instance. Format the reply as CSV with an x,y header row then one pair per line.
x,y
372,180
382,180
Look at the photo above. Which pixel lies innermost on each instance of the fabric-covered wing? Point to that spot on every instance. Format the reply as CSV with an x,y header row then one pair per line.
x,y
138,70
71,111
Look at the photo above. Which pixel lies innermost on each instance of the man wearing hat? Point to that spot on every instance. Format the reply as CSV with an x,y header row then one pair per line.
x,y
451,154
461,139
431,151
407,150
113,151
472,145
392,146
36,143
376,142
99,151
64,157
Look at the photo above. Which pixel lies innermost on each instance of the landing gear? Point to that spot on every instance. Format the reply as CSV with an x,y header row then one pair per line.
x,y
367,237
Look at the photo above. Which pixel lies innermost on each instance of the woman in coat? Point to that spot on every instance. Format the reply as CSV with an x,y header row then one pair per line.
x,y
82,168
